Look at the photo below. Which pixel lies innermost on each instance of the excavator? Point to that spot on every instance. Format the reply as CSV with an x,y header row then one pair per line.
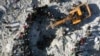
x,y
76,15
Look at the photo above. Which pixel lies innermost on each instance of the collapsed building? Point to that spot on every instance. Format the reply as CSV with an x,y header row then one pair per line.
x,y
24,30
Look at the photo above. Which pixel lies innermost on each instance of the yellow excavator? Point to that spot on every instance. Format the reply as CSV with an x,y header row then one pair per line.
x,y
76,15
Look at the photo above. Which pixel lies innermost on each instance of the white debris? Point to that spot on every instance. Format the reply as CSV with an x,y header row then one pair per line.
x,y
13,24
43,2
30,9
97,43
85,27
2,8
74,37
8,48
97,40
60,32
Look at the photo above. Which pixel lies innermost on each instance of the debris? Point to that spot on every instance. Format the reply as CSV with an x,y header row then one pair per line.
x,y
12,25
23,28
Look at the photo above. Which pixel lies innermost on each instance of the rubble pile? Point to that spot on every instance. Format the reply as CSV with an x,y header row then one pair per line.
x,y
24,29
10,27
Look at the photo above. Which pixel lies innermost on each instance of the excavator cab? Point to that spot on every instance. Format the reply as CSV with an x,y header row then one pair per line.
x,y
76,19
80,12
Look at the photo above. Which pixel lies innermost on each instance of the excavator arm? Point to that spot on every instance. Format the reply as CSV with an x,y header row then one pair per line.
x,y
57,23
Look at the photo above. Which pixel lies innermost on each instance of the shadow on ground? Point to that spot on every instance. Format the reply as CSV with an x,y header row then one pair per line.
x,y
95,13
1,14
56,13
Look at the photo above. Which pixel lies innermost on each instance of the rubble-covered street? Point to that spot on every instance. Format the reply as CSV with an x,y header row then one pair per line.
x,y
26,28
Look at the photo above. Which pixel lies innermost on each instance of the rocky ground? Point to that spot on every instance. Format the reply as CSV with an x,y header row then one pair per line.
x,y
23,37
